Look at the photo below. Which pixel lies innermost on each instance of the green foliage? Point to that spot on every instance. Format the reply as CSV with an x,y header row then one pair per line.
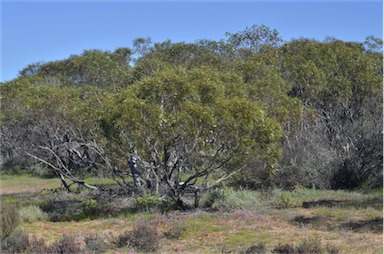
x,y
94,67
149,203
10,219
32,213
229,199
93,209
286,199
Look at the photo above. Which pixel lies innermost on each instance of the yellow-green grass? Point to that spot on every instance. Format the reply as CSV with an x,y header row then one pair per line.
x,y
23,183
27,183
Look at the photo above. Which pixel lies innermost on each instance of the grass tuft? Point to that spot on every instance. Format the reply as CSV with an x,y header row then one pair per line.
x,y
32,213
229,199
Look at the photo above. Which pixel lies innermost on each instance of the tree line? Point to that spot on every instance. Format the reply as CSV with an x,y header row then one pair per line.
x,y
177,118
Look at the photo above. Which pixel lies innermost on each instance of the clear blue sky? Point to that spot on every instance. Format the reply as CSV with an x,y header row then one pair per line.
x,y
33,31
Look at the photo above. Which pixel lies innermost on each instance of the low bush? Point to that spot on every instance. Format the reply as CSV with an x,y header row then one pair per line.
x,y
256,249
152,203
307,246
10,219
332,249
310,246
95,243
17,242
38,245
32,213
284,249
176,231
285,199
229,198
143,237
93,209
66,244
147,203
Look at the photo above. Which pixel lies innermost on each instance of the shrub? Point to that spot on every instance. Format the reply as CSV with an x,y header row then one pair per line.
x,y
256,249
150,203
66,244
309,246
32,213
176,231
91,208
284,249
229,199
38,246
143,237
10,219
332,249
123,240
17,242
147,202
285,199
96,243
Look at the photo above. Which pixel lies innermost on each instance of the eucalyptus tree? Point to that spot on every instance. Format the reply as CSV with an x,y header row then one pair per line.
x,y
53,127
340,85
180,127
106,70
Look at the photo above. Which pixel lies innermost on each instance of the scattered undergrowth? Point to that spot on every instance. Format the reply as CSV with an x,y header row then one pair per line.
x,y
230,221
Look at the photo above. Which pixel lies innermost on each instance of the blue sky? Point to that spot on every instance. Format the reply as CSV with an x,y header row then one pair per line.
x,y
33,31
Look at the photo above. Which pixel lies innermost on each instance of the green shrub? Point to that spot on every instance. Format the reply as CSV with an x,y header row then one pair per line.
x,y
310,246
143,237
147,202
150,203
32,213
285,199
17,242
93,209
228,199
10,219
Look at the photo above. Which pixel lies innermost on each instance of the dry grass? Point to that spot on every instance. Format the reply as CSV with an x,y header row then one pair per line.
x,y
350,221
210,233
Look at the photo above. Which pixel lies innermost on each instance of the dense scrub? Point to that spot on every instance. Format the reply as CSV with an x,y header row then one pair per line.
x,y
182,118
